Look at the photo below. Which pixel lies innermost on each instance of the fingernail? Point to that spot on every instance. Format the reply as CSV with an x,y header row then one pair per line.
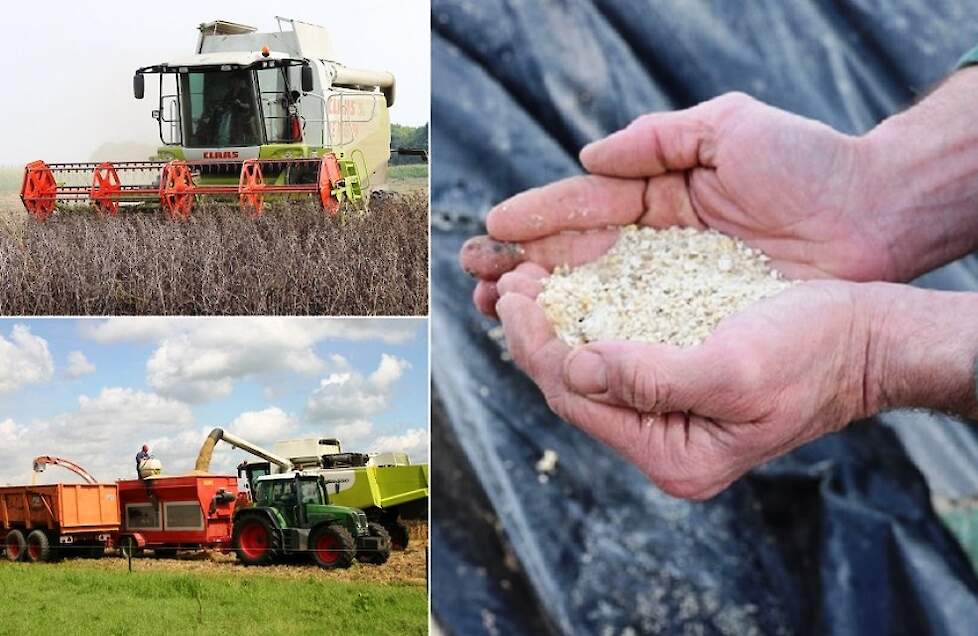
x,y
586,373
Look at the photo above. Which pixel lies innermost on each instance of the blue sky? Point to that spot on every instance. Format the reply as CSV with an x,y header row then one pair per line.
x,y
94,390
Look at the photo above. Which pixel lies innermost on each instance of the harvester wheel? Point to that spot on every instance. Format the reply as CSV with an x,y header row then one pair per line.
x,y
129,547
39,190
398,533
255,541
15,546
329,177
377,557
106,187
38,547
177,190
251,188
332,546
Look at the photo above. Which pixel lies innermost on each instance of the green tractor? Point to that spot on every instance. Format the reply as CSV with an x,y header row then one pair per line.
x,y
292,516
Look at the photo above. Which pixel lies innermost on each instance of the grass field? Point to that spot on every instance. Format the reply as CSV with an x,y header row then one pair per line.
x,y
404,171
82,598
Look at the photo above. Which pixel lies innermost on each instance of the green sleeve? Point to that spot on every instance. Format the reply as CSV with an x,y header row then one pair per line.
x,y
968,59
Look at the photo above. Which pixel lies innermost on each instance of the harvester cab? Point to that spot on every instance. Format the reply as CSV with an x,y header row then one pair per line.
x,y
248,114
292,514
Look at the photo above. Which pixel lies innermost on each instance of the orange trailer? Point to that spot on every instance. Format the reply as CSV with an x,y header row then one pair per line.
x,y
38,521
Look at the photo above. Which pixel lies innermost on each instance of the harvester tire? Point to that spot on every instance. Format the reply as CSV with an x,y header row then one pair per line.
x,y
128,546
377,557
39,547
255,541
332,546
15,546
399,535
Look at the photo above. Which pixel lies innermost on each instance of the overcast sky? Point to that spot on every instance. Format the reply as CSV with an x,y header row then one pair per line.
x,y
67,71
95,390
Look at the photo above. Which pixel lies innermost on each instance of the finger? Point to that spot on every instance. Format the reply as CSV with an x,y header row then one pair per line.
x,y
516,282
650,378
485,297
572,248
532,342
486,258
656,143
577,203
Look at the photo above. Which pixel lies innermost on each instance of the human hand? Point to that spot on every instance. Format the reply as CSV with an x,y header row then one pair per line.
x,y
792,187
786,370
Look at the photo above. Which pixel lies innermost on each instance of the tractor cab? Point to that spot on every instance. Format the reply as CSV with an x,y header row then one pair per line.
x,y
302,499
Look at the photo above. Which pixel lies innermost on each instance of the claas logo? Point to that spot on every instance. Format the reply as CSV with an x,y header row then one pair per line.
x,y
220,154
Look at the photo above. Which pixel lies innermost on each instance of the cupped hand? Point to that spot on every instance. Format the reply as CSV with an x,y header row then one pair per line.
x,y
795,188
784,371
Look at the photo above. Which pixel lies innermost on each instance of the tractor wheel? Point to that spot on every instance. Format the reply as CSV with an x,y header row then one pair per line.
x,y
255,541
398,533
15,546
38,547
377,557
129,547
332,546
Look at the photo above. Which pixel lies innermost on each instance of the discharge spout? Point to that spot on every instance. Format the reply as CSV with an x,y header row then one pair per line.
x,y
203,464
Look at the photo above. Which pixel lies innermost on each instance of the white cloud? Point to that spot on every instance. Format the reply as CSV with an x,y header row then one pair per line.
x,y
78,365
102,434
264,426
413,441
346,395
125,329
24,359
351,433
201,359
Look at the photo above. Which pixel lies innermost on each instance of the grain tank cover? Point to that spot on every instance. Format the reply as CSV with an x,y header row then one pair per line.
x,y
297,39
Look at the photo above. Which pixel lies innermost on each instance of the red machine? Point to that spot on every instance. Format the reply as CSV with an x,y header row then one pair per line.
x,y
169,513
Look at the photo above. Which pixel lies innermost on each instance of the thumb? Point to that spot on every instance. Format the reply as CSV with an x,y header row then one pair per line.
x,y
660,142
649,378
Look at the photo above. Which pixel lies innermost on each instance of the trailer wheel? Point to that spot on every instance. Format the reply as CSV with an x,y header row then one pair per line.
x,y
399,535
129,547
332,546
255,542
15,546
38,547
377,557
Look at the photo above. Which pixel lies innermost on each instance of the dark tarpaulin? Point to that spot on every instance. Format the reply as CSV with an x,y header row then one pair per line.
x,y
839,536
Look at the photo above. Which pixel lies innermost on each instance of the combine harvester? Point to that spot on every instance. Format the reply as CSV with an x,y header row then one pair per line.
x,y
247,115
386,486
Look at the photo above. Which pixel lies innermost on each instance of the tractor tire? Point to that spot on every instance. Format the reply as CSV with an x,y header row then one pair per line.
x,y
332,546
165,553
377,557
255,541
39,547
129,547
15,546
399,535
